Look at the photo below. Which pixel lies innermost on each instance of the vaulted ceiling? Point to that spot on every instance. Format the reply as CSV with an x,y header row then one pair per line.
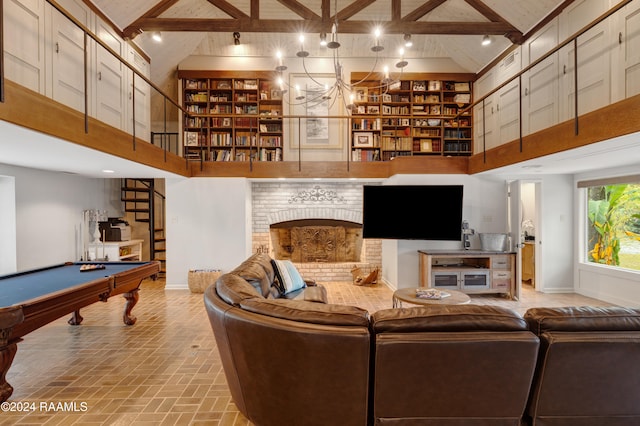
x,y
451,29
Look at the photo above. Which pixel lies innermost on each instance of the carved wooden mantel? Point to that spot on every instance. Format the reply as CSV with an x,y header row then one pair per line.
x,y
317,243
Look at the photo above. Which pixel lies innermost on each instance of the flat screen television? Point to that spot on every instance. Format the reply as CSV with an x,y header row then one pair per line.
x,y
412,212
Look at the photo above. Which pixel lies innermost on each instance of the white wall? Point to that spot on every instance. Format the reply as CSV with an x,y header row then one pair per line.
x,y
617,286
484,207
8,255
557,235
208,225
48,211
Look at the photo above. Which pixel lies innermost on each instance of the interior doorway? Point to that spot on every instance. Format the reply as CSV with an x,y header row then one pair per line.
x,y
525,230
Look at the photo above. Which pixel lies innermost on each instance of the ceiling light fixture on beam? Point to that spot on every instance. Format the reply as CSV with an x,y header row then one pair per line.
x,y
407,40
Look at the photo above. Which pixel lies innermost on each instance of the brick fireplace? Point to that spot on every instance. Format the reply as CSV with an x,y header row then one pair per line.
x,y
317,226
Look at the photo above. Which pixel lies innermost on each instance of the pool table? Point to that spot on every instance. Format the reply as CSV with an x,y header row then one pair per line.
x,y
31,299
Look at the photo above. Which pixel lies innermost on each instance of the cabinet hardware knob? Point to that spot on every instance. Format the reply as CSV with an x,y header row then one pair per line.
x,y
57,47
564,69
99,75
620,37
526,91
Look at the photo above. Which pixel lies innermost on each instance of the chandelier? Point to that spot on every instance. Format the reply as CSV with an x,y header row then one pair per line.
x,y
340,88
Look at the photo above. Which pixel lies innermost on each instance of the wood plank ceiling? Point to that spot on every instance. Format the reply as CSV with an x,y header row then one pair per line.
x,y
451,29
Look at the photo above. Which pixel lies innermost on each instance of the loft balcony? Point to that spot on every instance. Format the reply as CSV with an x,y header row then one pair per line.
x,y
149,142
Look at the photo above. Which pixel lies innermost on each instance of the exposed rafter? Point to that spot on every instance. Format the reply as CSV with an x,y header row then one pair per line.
x,y
312,22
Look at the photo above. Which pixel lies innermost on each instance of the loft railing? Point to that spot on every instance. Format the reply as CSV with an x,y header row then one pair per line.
x,y
573,39
89,35
167,100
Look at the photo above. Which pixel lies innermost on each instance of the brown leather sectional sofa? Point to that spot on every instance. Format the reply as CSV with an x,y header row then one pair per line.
x,y
302,361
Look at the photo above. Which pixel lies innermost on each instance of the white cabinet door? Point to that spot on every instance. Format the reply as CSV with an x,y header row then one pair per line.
x,y
24,29
540,84
626,57
508,99
67,58
508,112
594,75
139,112
110,78
483,114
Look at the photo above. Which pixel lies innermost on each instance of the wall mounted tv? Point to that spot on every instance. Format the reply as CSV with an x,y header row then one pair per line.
x,y
412,212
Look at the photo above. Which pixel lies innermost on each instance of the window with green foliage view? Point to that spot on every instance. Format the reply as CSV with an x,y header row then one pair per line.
x,y
613,232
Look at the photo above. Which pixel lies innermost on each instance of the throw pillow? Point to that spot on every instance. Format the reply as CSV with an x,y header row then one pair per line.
x,y
288,275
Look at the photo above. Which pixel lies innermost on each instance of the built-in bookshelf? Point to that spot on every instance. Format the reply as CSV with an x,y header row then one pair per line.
x,y
420,114
231,116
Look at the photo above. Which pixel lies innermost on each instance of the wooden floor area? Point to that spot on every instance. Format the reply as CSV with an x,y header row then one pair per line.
x,y
164,370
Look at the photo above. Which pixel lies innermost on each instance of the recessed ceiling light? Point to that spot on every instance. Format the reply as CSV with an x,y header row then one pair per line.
x,y
108,171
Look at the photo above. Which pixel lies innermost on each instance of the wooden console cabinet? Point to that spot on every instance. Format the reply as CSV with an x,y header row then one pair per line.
x,y
116,250
470,271
528,263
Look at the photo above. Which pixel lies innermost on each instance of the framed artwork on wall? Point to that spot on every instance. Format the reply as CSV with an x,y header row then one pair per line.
x,y
314,124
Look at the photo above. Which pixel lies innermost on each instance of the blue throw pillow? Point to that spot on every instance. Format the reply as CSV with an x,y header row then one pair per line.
x,y
288,275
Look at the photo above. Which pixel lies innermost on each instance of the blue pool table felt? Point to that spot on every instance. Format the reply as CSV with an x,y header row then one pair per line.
x,y
16,289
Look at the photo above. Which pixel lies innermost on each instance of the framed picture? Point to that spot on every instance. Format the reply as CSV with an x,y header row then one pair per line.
x,y
362,139
362,94
276,94
373,109
191,139
315,123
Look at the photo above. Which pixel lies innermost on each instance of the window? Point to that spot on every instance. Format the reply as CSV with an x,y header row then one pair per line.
x,y
613,225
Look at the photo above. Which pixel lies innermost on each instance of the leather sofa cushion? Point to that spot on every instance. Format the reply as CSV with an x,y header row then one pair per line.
x,y
447,318
258,271
310,312
583,318
234,289
316,293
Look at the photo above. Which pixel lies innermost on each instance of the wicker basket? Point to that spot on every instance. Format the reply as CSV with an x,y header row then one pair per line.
x,y
200,279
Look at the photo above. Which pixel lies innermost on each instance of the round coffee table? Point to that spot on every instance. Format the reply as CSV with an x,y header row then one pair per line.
x,y
409,295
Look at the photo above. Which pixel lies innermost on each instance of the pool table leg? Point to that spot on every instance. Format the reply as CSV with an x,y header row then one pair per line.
x,y
132,298
76,318
7,353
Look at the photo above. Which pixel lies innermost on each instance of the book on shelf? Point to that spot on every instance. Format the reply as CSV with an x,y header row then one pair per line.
x,y
362,155
221,155
462,98
270,154
196,97
195,84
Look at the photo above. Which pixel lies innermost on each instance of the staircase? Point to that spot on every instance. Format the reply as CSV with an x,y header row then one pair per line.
x,y
147,205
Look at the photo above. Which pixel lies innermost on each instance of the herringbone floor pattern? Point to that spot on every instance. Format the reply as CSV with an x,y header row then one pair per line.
x,y
164,370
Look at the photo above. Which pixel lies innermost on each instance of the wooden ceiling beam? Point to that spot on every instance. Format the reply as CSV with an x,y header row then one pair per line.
x,y
299,9
513,34
311,22
353,8
228,8
317,25
135,28
420,11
